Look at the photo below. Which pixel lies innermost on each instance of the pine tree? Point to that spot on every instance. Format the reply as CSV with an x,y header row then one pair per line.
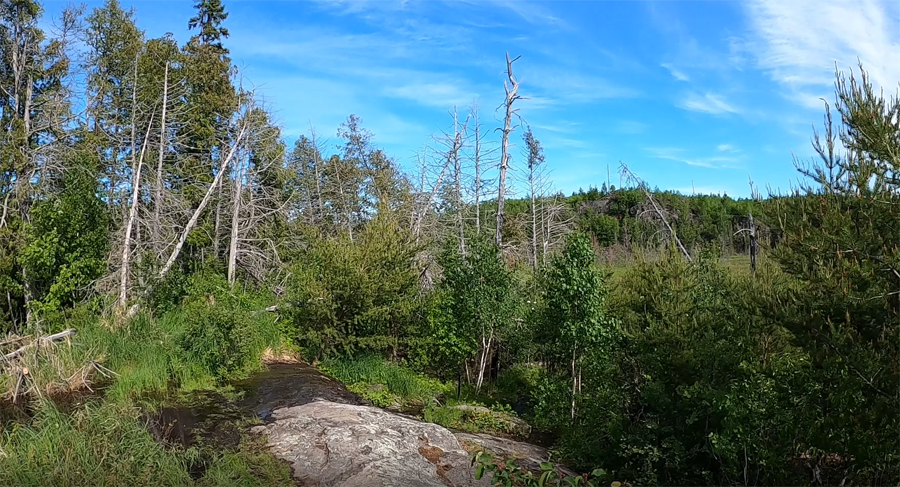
x,y
210,15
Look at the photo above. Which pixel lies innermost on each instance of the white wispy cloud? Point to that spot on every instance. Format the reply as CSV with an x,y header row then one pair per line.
x,y
678,154
798,43
707,103
675,72
440,95
727,148
566,87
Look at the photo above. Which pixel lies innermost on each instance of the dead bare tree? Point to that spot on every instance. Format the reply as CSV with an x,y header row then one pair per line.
x,y
224,164
450,158
630,176
155,227
511,87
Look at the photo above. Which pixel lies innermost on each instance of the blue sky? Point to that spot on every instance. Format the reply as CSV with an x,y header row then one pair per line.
x,y
693,96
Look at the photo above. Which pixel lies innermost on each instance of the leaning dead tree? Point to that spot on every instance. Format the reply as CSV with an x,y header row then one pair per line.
x,y
255,204
511,87
222,170
449,160
631,177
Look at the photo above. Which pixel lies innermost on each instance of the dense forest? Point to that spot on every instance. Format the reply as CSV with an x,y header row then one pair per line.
x,y
151,203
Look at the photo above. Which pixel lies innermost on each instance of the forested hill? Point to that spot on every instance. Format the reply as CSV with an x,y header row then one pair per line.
x,y
625,217
151,203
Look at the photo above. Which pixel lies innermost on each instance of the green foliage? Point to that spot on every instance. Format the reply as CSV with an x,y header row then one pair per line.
x,y
222,332
479,300
372,370
507,474
701,387
573,322
347,296
842,246
471,416
67,243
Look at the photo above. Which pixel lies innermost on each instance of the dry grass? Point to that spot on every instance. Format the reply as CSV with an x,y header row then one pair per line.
x,y
272,356
49,370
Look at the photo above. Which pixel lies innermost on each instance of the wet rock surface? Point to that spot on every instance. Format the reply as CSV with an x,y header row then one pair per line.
x,y
331,444
330,436
287,385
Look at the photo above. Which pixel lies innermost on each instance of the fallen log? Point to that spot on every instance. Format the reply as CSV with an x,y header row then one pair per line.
x,y
40,341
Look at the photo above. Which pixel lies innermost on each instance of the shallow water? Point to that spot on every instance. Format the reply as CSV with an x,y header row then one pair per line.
x,y
287,385
213,420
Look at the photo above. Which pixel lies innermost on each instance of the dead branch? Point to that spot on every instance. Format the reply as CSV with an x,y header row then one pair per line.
x,y
40,341
643,186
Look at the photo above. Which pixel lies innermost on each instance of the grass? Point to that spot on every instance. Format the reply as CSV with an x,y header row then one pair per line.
x,y
100,444
386,384
103,441
406,384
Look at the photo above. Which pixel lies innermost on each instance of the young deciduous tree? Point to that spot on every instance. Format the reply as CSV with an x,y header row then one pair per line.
x,y
575,320
481,300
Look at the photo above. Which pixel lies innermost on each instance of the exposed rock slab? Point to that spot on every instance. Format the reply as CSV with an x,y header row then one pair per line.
x,y
330,445
525,455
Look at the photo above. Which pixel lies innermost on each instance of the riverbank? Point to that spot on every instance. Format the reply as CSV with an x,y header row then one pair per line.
x,y
154,417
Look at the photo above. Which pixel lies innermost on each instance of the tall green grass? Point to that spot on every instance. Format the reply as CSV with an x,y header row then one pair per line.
x,y
371,369
100,444
138,364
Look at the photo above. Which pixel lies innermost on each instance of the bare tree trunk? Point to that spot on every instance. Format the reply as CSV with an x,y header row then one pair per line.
x,y
235,222
482,359
217,225
223,166
136,164
511,89
631,175
534,235
574,383
477,173
457,142
158,188
321,208
129,224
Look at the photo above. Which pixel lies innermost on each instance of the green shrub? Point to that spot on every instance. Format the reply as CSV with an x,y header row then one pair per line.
x,y
220,337
348,297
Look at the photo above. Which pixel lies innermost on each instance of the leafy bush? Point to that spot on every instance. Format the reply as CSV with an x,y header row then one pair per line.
x,y
351,296
507,474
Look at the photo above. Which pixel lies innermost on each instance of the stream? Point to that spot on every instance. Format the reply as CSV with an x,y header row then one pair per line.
x,y
211,419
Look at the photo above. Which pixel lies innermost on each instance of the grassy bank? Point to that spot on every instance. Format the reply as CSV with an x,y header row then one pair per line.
x,y
118,372
454,406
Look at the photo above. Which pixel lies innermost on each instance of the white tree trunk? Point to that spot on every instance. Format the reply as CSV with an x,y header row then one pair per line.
x,y
511,96
223,166
235,222
486,342
129,224
158,188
